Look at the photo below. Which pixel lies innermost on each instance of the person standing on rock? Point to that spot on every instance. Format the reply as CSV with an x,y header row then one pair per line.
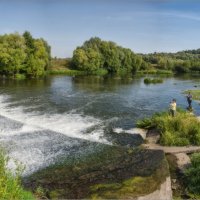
x,y
172,107
189,100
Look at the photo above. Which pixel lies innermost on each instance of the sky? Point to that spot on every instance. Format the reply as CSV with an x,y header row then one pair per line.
x,y
144,26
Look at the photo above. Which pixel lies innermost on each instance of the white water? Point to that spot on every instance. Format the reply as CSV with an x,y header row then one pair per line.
x,y
35,140
69,124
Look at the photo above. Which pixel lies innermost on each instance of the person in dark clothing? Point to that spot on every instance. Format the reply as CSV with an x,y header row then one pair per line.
x,y
189,100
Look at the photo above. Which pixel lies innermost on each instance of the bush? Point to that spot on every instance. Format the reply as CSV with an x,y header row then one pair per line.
x,y
181,130
154,81
10,185
193,175
20,76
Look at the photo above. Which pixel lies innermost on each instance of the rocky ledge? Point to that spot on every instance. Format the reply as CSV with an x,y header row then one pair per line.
x,y
114,172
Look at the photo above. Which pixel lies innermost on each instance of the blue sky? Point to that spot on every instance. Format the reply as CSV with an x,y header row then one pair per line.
x,y
142,25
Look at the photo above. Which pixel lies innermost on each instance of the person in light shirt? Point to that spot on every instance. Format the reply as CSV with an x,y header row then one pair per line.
x,y
172,107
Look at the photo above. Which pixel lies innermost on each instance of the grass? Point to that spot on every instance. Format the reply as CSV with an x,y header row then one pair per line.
x,y
193,176
68,72
154,80
195,94
155,71
10,185
181,130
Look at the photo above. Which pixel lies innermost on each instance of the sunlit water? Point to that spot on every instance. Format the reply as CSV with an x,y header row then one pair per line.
x,y
42,121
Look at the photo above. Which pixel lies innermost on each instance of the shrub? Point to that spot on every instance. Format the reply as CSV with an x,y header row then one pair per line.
x,y
183,129
10,185
20,76
193,174
154,81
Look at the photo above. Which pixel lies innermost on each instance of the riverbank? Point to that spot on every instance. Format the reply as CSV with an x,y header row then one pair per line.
x,y
183,163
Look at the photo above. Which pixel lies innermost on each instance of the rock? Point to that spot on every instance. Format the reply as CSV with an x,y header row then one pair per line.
x,y
127,138
183,161
153,136
134,131
110,172
139,131
164,193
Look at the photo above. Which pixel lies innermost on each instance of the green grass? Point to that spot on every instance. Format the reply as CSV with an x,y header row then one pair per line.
x,y
193,176
195,94
181,130
10,185
156,72
68,72
154,80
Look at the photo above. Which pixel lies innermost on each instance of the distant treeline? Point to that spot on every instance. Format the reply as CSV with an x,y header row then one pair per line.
x,y
23,55
96,54
180,62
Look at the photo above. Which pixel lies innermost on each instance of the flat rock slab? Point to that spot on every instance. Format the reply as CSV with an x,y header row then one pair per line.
x,y
164,193
173,150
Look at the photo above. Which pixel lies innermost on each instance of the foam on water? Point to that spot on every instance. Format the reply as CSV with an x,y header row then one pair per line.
x,y
70,124
37,140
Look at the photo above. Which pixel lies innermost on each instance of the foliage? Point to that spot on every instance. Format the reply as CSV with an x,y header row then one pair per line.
x,y
179,62
20,76
154,80
193,175
97,54
69,72
22,54
10,185
132,187
183,129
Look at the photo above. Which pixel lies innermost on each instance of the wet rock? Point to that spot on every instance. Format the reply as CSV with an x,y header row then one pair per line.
x,y
112,172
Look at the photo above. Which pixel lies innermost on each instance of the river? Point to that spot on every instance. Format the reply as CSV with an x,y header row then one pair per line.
x,y
43,120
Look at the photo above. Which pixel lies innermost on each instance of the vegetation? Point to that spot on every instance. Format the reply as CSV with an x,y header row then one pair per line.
x,y
195,94
193,176
181,130
154,80
155,71
133,187
10,185
96,54
22,54
180,62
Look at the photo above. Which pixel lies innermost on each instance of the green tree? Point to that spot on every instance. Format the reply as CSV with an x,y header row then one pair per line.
x,y
12,53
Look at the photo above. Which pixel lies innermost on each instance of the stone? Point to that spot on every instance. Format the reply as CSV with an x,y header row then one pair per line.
x,y
164,193
183,161
110,172
153,136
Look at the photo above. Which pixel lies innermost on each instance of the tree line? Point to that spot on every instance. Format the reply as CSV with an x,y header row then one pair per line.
x,y
180,62
96,54
31,57
23,54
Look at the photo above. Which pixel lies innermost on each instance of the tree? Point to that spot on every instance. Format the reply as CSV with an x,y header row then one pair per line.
x,y
12,53
23,54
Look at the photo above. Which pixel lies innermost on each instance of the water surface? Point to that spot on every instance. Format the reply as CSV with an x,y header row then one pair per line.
x,y
42,120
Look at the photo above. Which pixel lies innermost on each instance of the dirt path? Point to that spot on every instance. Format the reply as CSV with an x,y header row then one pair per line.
x,y
173,150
